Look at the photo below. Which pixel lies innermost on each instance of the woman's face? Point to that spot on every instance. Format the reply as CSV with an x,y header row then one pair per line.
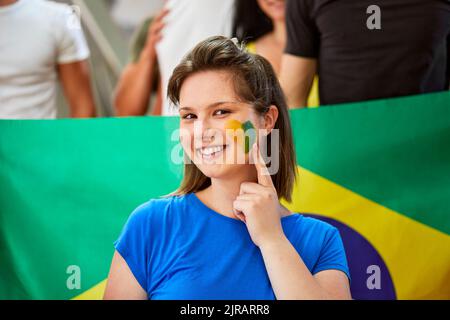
x,y
214,124
274,9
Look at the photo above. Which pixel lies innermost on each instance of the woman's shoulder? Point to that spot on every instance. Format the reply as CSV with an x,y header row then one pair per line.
x,y
158,207
314,221
313,228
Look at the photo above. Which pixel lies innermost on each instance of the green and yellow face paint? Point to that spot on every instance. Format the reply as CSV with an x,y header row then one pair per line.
x,y
244,134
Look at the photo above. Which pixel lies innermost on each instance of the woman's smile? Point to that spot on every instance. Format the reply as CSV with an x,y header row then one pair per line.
x,y
210,152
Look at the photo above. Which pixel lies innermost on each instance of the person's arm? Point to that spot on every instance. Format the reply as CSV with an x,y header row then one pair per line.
x,y
72,62
296,78
134,87
76,84
299,63
291,279
121,284
157,107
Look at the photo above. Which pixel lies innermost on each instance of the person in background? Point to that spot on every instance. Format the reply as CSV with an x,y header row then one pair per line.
x,y
189,22
261,23
173,32
140,77
42,43
363,52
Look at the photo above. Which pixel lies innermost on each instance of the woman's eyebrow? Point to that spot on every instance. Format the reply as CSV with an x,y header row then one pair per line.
x,y
212,105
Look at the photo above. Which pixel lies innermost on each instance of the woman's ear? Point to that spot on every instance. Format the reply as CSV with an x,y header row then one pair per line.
x,y
270,118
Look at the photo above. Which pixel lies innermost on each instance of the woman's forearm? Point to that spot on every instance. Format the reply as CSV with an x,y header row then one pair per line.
x,y
288,274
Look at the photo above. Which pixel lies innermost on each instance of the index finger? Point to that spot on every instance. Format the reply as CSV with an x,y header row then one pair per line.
x,y
264,177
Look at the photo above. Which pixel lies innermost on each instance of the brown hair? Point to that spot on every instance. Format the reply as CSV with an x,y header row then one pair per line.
x,y
255,83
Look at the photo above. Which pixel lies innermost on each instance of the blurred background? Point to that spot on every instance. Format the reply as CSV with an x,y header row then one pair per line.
x,y
108,26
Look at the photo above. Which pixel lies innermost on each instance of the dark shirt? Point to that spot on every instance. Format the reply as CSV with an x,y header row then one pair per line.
x,y
408,55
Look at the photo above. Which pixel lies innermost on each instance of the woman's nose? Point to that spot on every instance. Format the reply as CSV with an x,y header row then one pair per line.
x,y
208,135
203,131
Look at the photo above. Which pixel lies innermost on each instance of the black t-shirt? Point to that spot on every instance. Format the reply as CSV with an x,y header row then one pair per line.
x,y
410,54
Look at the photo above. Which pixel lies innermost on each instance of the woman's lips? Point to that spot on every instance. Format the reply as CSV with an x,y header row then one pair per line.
x,y
210,152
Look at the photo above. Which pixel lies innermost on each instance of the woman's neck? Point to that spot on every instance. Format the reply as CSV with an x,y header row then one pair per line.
x,y
222,192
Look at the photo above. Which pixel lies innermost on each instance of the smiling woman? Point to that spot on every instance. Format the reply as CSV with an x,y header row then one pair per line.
x,y
224,234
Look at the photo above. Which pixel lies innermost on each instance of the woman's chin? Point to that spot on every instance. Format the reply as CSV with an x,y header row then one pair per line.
x,y
217,171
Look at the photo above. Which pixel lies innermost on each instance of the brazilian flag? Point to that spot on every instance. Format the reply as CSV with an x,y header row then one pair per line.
x,y
379,171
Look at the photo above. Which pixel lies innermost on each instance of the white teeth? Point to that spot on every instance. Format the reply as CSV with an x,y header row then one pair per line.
x,y
210,150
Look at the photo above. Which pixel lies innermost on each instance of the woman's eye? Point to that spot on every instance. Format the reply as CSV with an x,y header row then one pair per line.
x,y
188,116
221,112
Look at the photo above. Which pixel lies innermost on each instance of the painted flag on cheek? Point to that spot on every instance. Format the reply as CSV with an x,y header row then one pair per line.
x,y
379,171
244,134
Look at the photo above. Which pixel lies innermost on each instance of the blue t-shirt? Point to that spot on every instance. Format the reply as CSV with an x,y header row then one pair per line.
x,y
179,249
